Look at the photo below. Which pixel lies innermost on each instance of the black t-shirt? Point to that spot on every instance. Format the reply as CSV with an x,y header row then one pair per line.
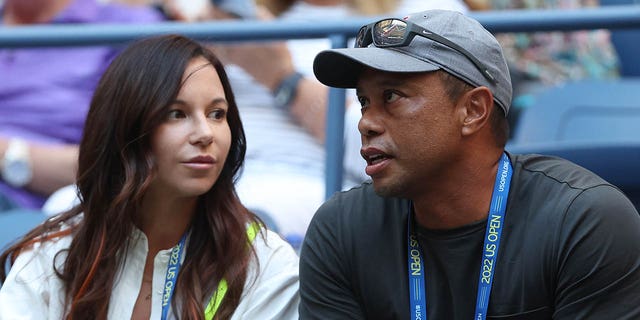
x,y
570,249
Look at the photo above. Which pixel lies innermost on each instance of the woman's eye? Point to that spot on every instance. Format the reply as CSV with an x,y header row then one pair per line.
x,y
175,114
217,114
390,96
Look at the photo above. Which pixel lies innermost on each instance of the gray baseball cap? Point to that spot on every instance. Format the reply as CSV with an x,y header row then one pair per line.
x,y
342,67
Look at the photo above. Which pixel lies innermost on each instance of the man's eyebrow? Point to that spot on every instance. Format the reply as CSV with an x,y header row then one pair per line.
x,y
387,82
391,82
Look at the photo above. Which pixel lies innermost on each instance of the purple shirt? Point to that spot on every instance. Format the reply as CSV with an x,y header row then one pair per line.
x,y
45,92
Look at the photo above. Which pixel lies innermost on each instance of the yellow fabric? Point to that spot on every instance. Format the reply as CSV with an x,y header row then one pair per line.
x,y
216,299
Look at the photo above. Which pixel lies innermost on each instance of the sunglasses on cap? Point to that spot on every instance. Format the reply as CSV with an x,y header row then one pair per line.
x,y
395,32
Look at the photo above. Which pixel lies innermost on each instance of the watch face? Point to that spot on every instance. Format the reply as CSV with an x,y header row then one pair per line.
x,y
284,96
17,173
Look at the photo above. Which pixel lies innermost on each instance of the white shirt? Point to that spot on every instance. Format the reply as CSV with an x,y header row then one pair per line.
x,y
33,291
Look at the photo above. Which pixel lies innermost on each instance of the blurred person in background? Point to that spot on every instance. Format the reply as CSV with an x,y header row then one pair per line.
x,y
44,97
543,59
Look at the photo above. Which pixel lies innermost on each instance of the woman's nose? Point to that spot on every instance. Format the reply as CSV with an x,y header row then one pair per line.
x,y
202,131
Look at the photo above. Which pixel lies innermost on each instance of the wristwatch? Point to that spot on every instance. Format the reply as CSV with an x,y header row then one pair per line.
x,y
16,164
286,91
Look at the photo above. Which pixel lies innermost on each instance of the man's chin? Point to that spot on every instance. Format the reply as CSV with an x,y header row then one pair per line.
x,y
385,190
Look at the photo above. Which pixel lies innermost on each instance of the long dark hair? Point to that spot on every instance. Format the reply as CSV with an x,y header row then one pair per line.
x,y
116,168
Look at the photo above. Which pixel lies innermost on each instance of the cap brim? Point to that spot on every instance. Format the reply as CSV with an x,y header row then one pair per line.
x,y
341,67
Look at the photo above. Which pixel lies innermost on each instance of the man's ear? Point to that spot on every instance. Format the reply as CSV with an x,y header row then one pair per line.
x,y
475,107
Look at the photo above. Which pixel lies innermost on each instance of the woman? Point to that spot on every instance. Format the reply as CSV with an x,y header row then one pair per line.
x,y
160,231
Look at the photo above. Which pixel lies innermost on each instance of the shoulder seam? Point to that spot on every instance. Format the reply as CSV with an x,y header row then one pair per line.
x,y
567,183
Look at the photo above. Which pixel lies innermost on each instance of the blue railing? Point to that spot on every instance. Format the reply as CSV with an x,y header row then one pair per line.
x,y
611,17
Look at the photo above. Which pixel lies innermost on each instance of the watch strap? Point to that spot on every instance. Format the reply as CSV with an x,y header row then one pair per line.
x,y
286,91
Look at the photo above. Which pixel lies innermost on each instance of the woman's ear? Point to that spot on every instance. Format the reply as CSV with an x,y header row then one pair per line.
x,y
475,106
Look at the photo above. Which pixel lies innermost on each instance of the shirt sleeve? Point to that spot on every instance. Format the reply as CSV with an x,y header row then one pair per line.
x,y
325,288
273,294
598,263
32,290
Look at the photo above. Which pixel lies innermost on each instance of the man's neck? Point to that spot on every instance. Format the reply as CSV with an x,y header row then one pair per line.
x,y
463,198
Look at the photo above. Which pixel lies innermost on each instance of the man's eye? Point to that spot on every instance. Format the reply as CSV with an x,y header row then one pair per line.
x,y
390,96
363,101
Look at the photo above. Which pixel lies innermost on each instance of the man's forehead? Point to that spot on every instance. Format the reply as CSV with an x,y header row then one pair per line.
x,y
390,79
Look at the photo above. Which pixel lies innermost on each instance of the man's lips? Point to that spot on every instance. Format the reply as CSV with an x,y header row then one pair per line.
x,y
376,159
373,155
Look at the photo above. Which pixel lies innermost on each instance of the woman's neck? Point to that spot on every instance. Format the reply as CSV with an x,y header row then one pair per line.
x,y
165,222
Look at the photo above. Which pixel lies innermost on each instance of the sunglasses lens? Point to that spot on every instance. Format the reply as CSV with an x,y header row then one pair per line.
x,y
361,37
398,33
390,32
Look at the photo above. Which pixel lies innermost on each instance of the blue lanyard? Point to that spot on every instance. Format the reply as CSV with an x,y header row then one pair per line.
x,y
495,221
172,275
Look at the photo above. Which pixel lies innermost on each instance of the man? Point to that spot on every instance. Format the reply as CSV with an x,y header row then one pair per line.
x,y
451,226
